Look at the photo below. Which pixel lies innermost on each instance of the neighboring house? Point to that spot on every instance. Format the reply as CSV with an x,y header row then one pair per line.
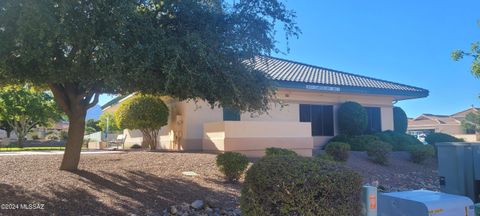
x,y
449,124
311,96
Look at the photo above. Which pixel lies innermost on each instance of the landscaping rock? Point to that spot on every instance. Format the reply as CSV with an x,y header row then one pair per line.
x,y
199,207
197,204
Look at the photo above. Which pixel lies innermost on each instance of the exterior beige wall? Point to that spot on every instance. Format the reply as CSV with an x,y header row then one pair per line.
x,y
185,130
467,137
253,137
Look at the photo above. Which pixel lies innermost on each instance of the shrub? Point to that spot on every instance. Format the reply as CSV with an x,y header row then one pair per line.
x,y
147,113
352,119
399,141
420,153
272,151
360,143
434,138
325,156
63,135
378,152
35,137
338,150
400,120
300,186
232,165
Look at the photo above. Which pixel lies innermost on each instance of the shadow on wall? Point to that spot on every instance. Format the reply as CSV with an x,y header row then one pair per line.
x,y
138,193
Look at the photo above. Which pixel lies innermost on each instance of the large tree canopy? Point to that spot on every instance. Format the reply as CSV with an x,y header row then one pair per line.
x,y
187,49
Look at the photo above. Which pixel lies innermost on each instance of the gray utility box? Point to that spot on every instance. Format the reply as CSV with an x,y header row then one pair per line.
x,y
423,203
459,169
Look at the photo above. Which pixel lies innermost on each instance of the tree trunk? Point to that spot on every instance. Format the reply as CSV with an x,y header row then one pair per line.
x,y
9,132
21,139
75,102
73,148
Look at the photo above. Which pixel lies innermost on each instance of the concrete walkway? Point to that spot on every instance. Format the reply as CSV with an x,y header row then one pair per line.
x,y
54,152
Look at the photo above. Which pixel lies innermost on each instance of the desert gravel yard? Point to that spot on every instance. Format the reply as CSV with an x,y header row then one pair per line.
x,y
145,183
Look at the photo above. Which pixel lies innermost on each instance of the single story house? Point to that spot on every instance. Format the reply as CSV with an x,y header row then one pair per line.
x,y
449,124
311,96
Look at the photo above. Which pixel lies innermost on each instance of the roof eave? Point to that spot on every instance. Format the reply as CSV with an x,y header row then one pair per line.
x,y
397,94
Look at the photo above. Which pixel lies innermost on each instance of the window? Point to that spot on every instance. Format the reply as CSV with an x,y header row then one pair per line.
x,y
374,120
230,114
321,117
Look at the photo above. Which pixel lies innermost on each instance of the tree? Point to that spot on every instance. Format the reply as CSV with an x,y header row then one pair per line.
x,y
23,108
6,127
192,49
474,53
400,120
471,122
146,113
108,119
352,118
92,126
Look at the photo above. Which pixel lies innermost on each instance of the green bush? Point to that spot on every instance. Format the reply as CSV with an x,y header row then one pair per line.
x,y
434,138
379,151
420,153
352,119
340,138
300,186
232,165
400,120
272,151
325,156
338,150
360,143
399,141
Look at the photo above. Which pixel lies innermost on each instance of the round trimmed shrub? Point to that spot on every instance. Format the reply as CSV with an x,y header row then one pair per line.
x,y
325,156
338,150
286,185
232,165
399,141
379,151
273,151
360,143
400,120
352,118
418,154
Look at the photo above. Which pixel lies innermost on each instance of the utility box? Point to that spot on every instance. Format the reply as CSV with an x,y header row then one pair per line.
x,y
424,203
459,169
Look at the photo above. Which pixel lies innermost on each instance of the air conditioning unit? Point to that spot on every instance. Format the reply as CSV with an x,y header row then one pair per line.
x,y
459,168
424,203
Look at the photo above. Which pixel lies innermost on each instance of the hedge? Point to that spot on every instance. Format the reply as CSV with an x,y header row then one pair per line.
x,y
286,185
400,120
352,119
232,165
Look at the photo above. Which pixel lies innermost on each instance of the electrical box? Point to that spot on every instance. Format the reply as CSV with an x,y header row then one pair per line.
x,y
459,168
424,203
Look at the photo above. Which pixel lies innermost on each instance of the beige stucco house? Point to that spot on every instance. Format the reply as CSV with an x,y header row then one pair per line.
x,y
310,97
449,124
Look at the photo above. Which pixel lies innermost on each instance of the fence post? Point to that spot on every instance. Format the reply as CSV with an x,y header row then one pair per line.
x,y
369,201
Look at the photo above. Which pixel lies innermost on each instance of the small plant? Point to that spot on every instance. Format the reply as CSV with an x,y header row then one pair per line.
x,y
399,141
338,150
279,152
378,152
325,156
232,165
420,153
287,185
360,143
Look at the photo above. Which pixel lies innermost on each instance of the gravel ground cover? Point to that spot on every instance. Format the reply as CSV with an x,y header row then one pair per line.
x,y
147,183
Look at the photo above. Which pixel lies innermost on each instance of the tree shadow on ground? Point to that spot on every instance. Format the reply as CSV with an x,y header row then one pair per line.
x,y
104,193
143,193
65,201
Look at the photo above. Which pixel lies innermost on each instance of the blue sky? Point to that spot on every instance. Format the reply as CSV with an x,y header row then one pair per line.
x,y
407,41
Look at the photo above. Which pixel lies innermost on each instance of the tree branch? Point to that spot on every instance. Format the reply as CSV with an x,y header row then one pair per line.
x,y
61,98
94,102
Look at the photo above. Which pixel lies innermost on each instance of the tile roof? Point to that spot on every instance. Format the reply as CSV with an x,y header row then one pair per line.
x,y
289,71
